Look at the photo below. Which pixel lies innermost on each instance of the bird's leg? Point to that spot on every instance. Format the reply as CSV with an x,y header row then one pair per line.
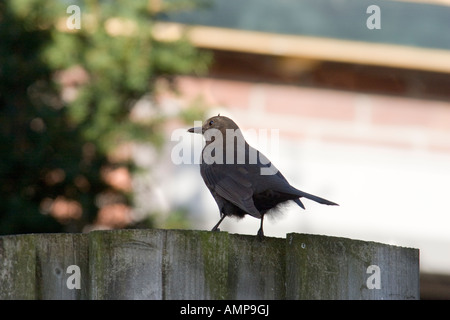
x,y
260,231
216,227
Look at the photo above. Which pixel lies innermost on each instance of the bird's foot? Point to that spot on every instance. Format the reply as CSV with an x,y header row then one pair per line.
x,y
260,235
216,227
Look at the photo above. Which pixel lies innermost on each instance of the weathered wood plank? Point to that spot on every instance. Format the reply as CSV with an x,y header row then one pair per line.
x,y
195,265
321,267
17,267
62,268
256,268
126,264
38,266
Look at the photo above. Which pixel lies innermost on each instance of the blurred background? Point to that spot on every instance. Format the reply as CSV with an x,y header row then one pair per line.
x,y
91,93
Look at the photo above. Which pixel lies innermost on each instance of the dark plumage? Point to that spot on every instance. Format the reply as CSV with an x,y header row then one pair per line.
x,y
241,179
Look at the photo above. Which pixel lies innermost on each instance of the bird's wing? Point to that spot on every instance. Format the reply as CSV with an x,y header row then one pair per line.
x,y
229,182
278,182
267,176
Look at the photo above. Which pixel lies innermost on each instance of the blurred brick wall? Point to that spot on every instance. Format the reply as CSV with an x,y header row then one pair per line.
x,y
329,115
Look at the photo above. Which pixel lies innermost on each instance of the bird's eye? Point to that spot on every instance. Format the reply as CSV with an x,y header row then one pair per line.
x,y
211,122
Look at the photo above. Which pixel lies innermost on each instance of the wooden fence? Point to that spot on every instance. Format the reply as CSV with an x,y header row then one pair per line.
x,y
181,264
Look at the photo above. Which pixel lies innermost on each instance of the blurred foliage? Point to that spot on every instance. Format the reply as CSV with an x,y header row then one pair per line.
x,y
65,102
178,219
195,111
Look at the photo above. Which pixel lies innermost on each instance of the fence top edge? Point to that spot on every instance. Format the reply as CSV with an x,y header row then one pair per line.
x,y
289,236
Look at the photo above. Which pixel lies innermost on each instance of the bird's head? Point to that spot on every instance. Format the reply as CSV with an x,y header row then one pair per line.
x,y
219,122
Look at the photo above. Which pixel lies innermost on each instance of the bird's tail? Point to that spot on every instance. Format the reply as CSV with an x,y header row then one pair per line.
x,y
314,198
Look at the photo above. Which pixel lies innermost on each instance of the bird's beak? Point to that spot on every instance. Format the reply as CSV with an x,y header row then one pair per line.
x,y
196,130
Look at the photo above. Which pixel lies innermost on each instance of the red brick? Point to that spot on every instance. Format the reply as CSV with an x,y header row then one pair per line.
x,y
411,112
226,93
367,141
439,148
296,135
308,102
233,94
440,119
191,88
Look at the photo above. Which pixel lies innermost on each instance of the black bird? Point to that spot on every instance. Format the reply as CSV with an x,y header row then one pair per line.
x,y
240,178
